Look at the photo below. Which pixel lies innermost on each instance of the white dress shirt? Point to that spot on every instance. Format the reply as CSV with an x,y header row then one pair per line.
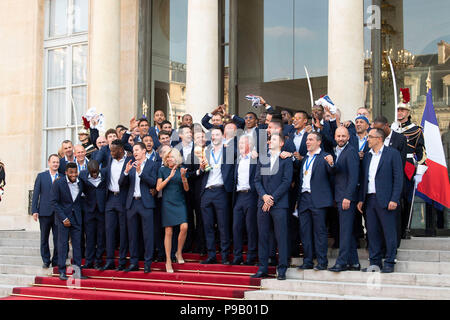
x,y
273,159
53,177
373,167
137,181
298,137
74,188
82,166
388,139
116,170
215,175
243,182
306,185
361,143
338,150
250,131
151,156
187,151
95,182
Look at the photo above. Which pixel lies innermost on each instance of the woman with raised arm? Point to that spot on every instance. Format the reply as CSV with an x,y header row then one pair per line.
x,y
172,180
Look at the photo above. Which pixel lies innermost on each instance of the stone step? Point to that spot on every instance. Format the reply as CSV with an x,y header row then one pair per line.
x,y
25,269
11,242
418,243
20,235
398,278
18,280
6,290
22,251
400,266
372,289
402,255
423,255
21,260
292,295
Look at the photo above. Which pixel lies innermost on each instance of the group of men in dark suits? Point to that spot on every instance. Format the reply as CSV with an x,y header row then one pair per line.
x,y
270,185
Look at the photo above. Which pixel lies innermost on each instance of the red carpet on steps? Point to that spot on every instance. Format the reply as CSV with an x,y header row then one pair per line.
x,y
190,281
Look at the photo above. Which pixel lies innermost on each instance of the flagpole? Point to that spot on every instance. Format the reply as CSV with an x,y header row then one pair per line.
x,y
408,228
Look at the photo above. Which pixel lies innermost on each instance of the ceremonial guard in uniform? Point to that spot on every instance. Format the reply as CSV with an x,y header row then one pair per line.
x,y
415,154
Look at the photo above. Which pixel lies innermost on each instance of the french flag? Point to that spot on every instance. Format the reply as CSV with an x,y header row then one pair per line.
x,y
435,185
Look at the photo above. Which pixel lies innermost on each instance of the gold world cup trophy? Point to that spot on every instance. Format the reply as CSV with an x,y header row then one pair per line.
x,y
200,153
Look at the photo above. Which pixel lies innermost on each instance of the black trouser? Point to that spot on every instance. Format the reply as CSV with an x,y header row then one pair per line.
x,y
47,223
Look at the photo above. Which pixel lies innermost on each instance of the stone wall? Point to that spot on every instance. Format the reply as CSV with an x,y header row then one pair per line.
x,y
21,61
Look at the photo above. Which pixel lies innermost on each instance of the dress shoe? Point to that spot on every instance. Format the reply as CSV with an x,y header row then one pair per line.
x,y
203,252
54,264
387,269
209,261
273,262
372,268
46,265
354,267
338,268
147,269
109,266
88,266
132,267
237,262
98,266
226,262
320,267
259,274
281,276
305,267
121,267
63,276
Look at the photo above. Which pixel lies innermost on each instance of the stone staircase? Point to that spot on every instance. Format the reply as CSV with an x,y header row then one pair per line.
x,y
421,272
20,260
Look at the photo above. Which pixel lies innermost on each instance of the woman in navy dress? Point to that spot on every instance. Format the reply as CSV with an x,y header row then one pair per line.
x,y
173,183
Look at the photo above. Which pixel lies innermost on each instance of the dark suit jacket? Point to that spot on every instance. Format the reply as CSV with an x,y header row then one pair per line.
x,y
398,141
321,190
327,132
346,170
354,141
388,180
227,169
154,135
302,150
95,196
62,166
102,156
276,184
63,205
41,195
148,177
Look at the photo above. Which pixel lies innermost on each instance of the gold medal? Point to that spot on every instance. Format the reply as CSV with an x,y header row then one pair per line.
x,y
306,172
216,166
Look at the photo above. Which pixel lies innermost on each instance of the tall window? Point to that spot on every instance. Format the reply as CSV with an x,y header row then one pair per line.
x,y
65,76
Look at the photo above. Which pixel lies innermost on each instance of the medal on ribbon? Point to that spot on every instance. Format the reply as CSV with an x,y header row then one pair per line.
x,y
308,164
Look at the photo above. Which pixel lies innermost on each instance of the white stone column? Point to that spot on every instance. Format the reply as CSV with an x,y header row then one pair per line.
x,y
104,65
345,55
202,76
